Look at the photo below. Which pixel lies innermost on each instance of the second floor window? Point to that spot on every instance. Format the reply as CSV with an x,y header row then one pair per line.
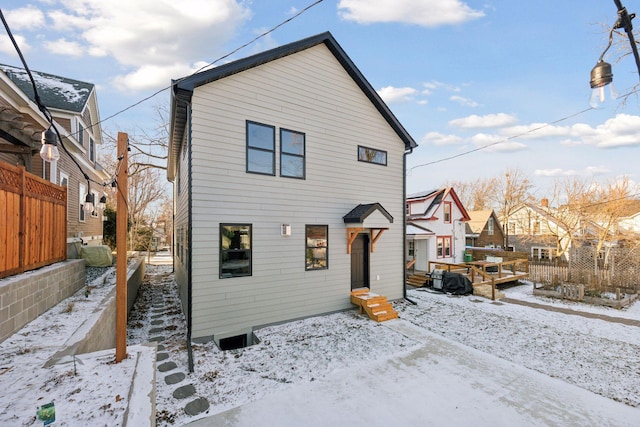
x,y
447,212
292,154
371,155
92,150
490,226
261,148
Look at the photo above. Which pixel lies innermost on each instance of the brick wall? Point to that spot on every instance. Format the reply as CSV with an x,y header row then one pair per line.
x,y
27,296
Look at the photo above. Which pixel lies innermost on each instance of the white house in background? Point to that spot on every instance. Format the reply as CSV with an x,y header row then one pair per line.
x,y
435,227
288,174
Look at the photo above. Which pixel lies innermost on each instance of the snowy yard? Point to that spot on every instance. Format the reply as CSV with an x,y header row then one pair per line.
x,y
596,355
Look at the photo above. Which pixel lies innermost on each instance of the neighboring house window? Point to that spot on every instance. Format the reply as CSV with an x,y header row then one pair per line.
x,y
411,248
80,134
371,155
64,181
317,246
443,246
96,199
292,154
490,225
82,194
543,253
511,228
536,227
92,150
447,212
235,250
261,148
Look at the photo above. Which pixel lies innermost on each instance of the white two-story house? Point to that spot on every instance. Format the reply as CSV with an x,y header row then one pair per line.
x,y
288,174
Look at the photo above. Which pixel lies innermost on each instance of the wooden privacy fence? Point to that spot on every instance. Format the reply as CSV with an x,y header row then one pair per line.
x,y
33,221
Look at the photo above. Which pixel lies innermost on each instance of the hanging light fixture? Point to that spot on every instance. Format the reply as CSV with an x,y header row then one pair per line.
x,y
49,150
103,202
601,76
114,186
88,203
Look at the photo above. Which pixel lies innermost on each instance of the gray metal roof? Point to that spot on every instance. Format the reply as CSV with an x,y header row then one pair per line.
x,y
361,212
183,88
56,92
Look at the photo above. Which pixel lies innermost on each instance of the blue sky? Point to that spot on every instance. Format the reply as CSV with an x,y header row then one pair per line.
x,y
459,75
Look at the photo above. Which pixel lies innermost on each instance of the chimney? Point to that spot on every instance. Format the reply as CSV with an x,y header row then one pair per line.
x,y
544,202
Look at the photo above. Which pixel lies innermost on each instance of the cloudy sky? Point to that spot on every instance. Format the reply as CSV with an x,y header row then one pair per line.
x,y
482,86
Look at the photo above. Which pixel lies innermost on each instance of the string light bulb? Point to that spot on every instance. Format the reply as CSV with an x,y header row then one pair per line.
x,y
49,150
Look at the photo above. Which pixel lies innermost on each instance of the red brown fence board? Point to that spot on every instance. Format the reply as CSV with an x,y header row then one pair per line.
x,y
34,232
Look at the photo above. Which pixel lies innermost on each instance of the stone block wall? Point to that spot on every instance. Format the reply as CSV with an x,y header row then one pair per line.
x,y
26,296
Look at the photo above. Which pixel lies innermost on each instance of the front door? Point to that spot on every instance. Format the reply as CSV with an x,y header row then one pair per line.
x,y
360,262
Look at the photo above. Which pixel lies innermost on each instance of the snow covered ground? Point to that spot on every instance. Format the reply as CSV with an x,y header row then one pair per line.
x,y
592,361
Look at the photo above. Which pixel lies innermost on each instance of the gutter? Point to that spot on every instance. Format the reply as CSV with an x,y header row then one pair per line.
x,y
404,226
190,244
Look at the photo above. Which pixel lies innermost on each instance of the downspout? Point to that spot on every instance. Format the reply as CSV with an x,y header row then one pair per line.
x,y
404,226
190,242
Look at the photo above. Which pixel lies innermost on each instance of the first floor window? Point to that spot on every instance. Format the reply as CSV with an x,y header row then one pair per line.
x,y
317,238
443,244
411,249
235,250
82,197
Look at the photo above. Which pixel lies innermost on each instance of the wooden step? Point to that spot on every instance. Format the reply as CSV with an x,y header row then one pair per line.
x,y
376,306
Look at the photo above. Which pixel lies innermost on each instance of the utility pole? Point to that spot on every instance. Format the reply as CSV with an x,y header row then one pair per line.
x,y
121,246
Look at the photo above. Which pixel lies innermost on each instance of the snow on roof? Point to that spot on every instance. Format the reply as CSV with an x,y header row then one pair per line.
x,y
55,92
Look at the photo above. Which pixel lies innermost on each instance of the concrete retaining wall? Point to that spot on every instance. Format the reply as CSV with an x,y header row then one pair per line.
x,y
26,296
98,332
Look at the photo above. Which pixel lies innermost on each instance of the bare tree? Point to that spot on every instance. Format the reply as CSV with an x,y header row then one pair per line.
x,y
509,193
475,195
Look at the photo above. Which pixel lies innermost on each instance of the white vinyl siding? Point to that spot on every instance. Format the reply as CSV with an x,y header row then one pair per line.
x,y
311,93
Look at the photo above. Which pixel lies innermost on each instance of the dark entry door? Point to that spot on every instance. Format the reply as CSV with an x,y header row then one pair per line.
x,y
360,262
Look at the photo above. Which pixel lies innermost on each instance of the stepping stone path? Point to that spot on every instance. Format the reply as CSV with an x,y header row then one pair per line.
x,y
155,301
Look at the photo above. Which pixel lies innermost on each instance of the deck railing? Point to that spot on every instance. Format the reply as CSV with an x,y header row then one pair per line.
x,y
33,221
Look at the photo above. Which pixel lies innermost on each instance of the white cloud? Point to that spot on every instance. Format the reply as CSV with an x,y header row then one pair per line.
x,y
487,121
392,94
437,138
152,38
24,18
152,76
65,47
427,13
622,130
7,47
559,172
433,85
466,102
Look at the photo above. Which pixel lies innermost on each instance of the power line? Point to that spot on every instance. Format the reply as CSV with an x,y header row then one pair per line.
x,y
211,63
507,139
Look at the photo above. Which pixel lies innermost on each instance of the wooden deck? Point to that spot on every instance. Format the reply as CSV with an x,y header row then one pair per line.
x,y
482,274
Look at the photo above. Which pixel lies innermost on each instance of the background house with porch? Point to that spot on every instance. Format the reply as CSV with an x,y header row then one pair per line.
x,y
436,229
74,107
288,174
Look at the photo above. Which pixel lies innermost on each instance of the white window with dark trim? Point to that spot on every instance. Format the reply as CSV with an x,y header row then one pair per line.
x,y
490,226
235,250
292,154
443,246
81,198
317,247
261,148
372,155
